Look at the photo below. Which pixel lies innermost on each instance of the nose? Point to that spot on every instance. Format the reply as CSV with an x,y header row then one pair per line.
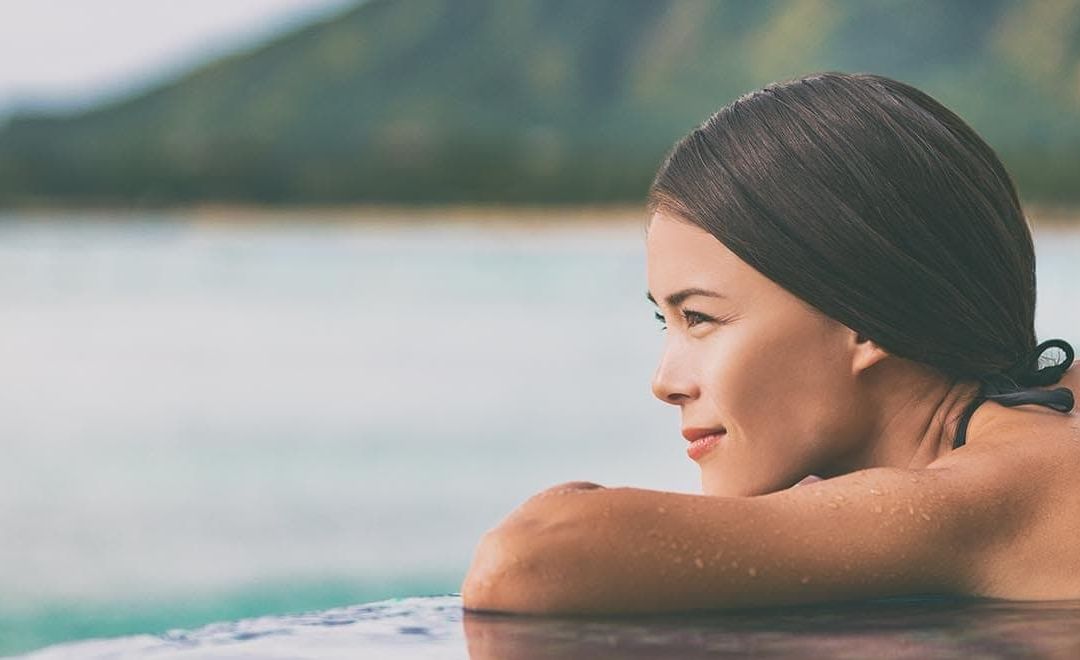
x,y
673,382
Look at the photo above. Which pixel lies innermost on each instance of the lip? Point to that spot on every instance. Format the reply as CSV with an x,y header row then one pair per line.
x,y
702,440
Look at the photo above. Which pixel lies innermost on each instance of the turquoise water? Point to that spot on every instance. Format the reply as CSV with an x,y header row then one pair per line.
x,y
209,422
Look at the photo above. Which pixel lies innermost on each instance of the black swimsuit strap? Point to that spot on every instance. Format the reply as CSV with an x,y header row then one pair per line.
x,y
1009,392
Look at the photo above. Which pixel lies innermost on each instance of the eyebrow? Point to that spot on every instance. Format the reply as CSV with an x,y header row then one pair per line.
x,y
675,299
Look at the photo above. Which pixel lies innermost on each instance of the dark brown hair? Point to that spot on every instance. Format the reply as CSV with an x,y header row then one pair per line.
x,y
875,204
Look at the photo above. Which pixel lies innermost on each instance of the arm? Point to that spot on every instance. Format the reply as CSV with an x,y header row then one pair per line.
x,y
873,533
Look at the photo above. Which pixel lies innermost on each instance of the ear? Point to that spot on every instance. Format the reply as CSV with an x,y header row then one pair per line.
x,y
864,352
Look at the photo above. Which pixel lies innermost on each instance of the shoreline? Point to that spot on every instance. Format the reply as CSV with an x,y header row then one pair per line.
x,y
532,216
536,216
1052,216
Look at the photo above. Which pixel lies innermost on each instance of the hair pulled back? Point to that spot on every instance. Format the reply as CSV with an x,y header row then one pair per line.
x,y
879,207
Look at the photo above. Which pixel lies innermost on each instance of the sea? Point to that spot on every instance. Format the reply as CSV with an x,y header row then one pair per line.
x,y
206,418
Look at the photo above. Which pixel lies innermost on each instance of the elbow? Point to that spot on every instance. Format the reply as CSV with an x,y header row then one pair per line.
x,y
528,564
487,584
503,576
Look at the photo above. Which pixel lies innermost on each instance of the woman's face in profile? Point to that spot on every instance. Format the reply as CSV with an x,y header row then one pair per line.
x,y
745,356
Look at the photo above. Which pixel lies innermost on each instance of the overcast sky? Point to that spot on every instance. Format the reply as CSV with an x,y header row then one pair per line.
x,y
73,52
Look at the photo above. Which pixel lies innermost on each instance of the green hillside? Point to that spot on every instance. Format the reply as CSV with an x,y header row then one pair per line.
x,y
539,100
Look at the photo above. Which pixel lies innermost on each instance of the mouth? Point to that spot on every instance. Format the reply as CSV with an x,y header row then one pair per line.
x,y
702,440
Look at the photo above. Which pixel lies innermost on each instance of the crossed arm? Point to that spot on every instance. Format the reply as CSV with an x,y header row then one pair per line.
x,y
579,548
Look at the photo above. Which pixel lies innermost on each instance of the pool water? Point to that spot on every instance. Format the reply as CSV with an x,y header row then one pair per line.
x,y
436,627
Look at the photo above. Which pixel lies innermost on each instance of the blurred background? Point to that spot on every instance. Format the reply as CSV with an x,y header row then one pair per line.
x,y
299,297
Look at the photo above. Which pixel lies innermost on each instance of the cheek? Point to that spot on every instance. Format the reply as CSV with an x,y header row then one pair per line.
x,y
777,380
777,390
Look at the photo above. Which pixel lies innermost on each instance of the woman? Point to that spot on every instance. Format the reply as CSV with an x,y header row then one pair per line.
x,y
848,284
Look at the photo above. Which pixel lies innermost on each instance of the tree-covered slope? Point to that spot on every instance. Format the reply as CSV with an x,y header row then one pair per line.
x,y
539,100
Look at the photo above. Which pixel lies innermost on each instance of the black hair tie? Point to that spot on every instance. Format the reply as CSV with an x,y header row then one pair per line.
x,y
1018,388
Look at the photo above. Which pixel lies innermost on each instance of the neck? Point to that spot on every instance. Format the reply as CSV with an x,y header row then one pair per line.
x,y
911,424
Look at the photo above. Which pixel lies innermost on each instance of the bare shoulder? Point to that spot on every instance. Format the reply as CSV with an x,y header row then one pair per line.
x,y
999,518
1024,462
1034,433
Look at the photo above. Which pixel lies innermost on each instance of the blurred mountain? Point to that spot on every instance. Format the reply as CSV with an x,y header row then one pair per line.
x,y
539,100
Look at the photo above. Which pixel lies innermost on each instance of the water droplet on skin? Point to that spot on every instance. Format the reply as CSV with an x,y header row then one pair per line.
x,y
925,517
875,491
911,509
834,505
805,580
752,571
914,480
699,563
661,510
719,554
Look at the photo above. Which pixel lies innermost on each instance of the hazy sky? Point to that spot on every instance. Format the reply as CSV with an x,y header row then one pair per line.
x,y
64,52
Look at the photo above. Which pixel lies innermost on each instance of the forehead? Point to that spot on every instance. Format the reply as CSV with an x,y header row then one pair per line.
x,y
680,254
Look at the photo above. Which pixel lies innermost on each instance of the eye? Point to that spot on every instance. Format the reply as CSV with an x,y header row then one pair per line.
x,y
691,317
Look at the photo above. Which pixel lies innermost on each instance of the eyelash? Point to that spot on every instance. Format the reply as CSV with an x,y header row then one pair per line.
x,y
687,314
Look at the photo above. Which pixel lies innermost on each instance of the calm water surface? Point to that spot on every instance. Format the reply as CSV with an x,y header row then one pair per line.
x,y
208,422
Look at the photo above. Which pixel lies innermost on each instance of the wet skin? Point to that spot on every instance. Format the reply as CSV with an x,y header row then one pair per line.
x,y
900,511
